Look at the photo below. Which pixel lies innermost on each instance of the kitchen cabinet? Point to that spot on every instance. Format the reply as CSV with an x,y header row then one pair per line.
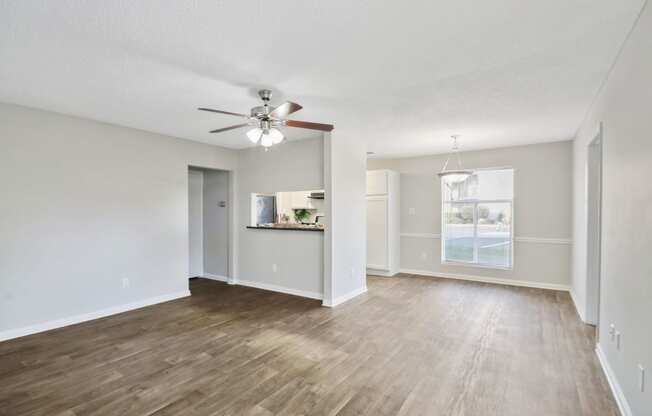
x,y
300,200
383,222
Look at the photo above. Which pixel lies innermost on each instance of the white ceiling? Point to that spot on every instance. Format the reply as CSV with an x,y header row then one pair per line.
x,y
401,75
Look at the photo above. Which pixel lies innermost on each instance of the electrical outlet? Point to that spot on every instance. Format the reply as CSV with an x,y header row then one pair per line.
x,y
412,211
125,282
612,331
641,378
424,255
618,340
274,268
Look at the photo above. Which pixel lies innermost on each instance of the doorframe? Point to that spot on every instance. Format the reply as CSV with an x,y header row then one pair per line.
x,y
232,216
200,173
594,257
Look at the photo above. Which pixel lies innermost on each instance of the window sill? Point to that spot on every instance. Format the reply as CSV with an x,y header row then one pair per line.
x,y
476,265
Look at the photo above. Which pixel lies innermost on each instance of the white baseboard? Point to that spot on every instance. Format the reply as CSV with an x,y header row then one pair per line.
x,y
377,272
58,323
485,279
280,289
217,277
580,311
341,299
623,405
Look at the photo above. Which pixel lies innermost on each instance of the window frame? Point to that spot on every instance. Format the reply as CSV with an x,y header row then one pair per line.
x,y
475,203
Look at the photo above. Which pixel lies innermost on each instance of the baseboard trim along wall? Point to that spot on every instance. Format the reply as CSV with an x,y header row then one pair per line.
x,y
577,306
621,401
485,279
280,289
540,240
59,323
215,277
341,299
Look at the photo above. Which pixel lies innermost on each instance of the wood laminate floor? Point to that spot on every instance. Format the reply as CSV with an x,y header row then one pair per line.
x,y
410,346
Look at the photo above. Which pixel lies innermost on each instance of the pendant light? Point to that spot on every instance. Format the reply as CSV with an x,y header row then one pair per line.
x,y
454,175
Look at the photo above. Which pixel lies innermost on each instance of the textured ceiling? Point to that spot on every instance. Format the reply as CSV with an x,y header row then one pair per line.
x,y
400,75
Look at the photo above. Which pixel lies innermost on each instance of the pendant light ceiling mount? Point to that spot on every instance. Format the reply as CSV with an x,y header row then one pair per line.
x,y
454,175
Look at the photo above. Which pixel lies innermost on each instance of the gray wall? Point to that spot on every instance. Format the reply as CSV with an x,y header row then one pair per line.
x,y
216,223
86,204
345,252
623,105
298,255
542,212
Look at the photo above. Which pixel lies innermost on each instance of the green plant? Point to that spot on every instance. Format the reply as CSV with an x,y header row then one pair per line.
x,y
301,215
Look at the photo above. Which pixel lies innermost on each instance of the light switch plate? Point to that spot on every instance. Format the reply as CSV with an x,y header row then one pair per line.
x,y
641,377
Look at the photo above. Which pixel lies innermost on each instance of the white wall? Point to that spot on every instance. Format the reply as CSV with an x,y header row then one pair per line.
x,y
346,217
196,222
542,212
298,255
623,105
84,205
216,223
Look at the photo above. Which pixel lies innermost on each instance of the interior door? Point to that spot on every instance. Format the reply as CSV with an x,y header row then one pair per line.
x,y
377,233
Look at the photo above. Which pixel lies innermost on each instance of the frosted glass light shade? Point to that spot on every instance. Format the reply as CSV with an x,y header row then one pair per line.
x,y
454,176
254,134
266,141
276,135
267,138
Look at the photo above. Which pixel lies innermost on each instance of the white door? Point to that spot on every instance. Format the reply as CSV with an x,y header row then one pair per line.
x,y
195,223
377,233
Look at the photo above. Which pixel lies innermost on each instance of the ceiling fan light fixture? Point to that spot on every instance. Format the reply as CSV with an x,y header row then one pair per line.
x,y
266,141
266,119
276,136
254,134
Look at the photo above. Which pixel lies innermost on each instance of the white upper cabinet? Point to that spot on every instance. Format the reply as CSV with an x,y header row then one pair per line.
x,y
383,222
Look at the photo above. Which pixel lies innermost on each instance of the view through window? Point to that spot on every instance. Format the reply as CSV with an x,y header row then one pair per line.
x,y
477,223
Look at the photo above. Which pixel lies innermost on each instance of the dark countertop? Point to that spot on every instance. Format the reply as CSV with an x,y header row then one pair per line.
x,y
287,227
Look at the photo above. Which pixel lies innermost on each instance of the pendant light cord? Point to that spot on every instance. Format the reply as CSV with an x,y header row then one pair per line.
x,y
456,150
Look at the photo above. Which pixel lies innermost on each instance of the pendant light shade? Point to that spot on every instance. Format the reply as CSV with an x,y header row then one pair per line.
x,y
454,175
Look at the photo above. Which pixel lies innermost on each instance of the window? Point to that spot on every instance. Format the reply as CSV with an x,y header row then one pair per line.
x,y
477,226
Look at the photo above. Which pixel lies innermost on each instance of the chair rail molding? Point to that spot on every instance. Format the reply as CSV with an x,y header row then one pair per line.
x,y
538,240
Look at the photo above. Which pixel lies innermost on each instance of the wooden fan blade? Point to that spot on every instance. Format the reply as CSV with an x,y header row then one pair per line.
x,y
223,112
237,126
309,125
284,109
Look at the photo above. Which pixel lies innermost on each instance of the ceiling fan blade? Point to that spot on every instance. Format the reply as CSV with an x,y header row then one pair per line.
x,y
284,109
309,125
237,126
223,112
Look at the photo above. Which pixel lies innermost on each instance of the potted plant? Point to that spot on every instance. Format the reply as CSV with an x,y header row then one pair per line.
x,y
301,215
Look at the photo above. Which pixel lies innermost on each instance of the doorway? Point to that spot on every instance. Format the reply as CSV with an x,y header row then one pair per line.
x,y
208,223
594,227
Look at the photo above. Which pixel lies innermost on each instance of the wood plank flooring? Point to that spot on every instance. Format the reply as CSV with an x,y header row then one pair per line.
x,y
410,346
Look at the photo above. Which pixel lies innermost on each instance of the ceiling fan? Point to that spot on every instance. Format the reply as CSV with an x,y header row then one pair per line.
x,y
266,119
